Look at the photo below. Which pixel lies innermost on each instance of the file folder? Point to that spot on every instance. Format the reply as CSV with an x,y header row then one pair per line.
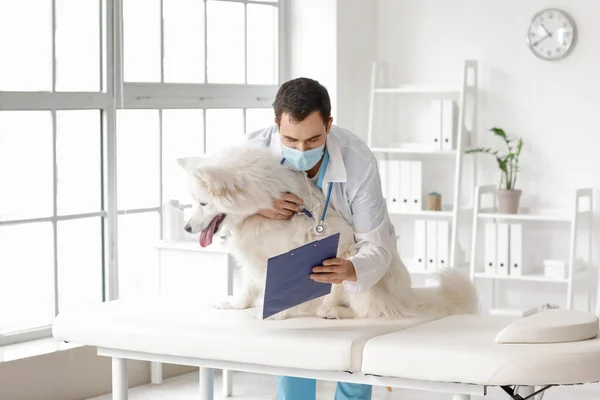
x,y
490,248
443,244
448,124
432,256
502,248
515,249
420,263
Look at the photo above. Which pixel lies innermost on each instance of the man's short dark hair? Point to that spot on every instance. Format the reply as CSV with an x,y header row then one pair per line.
x,y
301,97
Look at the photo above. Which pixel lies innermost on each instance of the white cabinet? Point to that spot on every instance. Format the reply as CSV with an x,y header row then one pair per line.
x,y
189,271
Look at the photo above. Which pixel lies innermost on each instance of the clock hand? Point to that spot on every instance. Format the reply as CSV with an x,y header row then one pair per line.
x,y
544,38
549,34
559,31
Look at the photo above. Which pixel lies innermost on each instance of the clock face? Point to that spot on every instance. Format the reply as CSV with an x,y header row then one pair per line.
x,y
551,35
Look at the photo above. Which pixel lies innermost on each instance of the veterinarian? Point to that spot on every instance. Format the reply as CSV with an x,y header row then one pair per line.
x,y
340,162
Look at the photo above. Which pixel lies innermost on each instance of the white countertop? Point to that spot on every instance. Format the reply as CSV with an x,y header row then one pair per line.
x,y
189,245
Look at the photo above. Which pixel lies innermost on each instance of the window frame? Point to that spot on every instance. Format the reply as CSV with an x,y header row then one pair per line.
x,y
115,95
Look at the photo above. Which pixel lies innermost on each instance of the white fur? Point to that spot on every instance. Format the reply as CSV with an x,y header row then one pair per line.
x,y
242,180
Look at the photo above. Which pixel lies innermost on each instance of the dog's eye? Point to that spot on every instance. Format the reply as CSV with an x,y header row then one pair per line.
x,y
203,204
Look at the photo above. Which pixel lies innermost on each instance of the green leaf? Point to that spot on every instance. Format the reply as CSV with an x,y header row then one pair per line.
x,y
507,163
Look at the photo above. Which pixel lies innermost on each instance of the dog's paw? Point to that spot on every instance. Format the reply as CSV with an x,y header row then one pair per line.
x,y
230,303
278,317
334,312
224,304
285,314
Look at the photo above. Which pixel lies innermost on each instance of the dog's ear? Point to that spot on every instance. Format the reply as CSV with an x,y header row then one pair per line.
x,y
222,184
189,164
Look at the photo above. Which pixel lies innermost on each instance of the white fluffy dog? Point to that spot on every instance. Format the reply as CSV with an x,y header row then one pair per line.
x,y
230,187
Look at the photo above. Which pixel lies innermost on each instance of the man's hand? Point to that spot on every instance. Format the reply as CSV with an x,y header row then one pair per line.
x,y
334,270
283,208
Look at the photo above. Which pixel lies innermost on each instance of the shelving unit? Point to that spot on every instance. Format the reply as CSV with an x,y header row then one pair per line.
x,y
465,91
415,152
422,89
580,213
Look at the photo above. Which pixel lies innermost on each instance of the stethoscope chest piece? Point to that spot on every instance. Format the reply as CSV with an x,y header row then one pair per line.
x,y
319,229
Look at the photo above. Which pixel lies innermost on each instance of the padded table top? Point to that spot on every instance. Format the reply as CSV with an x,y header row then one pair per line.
x,y
172,327
462,348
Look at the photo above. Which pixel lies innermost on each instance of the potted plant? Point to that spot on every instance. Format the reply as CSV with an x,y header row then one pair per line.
x,y
508,196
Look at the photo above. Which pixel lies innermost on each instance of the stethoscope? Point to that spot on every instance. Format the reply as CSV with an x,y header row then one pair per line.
x,y
320,227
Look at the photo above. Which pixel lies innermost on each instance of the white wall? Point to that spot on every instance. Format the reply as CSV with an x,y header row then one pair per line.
x,y
552,105
73,374
312,45
356,35
333,41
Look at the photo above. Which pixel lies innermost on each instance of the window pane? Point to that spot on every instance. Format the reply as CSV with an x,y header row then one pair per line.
x,y
26,45
25,164
78,146
26,276
138,162
77,45
225,30
141,40
259,118
184,41
138,259
262,44
182,136
79,262
224,127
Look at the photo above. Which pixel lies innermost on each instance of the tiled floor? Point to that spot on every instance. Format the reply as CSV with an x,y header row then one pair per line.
x,y
262,387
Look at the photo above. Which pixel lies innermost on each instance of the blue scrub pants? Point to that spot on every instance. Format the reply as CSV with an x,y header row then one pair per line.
x,y
290,388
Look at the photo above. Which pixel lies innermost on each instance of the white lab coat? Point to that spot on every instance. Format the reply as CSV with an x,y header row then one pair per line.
x,y
357,195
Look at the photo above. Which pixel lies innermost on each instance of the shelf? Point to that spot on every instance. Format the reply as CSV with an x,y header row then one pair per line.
x,y
422,213
416,151
447,212
192,245
409,264
420,89
420,272
542,217
538,277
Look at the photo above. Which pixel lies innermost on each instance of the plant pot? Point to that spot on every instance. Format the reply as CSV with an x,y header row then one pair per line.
x,y
508,201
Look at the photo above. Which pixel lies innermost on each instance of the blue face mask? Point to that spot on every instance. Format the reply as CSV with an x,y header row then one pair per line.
x,y
302,160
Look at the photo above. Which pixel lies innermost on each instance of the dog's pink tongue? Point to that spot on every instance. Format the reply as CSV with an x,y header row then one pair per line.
x,y
206,235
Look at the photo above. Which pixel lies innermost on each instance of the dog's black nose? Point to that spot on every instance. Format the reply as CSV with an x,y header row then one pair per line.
x,y
188,228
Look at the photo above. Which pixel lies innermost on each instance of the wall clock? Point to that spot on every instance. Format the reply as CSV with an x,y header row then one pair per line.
x,y
551,34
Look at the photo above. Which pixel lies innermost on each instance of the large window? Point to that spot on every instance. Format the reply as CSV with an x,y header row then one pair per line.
x,y
97,100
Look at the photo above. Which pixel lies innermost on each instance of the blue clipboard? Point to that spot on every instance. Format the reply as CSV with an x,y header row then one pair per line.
x,y
288,282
